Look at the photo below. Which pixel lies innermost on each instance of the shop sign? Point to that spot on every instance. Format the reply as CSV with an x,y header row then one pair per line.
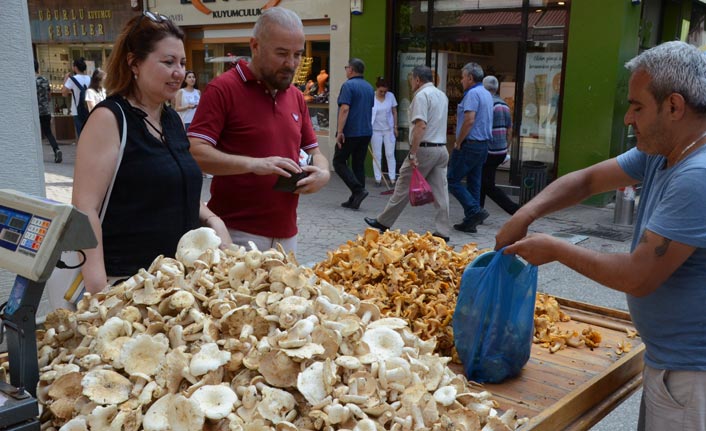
x,y
206,12
77,21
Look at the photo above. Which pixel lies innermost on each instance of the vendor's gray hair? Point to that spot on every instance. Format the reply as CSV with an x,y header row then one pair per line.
x,y
473,70
276,16
491,84
675,67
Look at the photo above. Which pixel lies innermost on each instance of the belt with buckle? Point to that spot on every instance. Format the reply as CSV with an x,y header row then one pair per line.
x,y
430,144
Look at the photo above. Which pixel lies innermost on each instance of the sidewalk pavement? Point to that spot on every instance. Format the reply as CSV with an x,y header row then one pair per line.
x,y
324,225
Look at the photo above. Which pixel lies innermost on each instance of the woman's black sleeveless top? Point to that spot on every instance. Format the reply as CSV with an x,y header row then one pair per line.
x,y
155,199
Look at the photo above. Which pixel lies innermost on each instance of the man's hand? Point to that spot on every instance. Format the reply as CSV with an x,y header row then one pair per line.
x,y
397,132
513,230
537,248
274,165
316,179
340,140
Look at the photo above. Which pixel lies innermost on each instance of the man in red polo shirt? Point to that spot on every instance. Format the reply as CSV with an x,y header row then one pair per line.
x,y
249,129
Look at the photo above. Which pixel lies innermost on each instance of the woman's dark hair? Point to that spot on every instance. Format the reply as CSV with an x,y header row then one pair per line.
x,y
186,75
381,82
135,42
97,79
80,64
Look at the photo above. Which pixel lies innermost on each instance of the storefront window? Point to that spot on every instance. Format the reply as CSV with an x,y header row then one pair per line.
x,y
411,52
311,78
541,90
527,60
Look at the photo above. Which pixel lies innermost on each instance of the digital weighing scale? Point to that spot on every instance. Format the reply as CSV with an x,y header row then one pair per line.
x,y
33,233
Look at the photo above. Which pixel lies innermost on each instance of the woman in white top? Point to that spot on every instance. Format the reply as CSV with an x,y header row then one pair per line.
x,y
188,98
384,121
95,93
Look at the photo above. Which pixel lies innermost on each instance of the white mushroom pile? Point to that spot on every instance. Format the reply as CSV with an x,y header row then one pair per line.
x,y
246,340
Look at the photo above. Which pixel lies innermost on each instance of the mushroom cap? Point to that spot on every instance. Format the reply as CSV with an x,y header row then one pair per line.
x,y
76,424
310,383
388,322
106,387
174,412
307,351
144,354
275,404
216,401
66,386
209,358
383,342
279,369
445,395
195,243
101,417
156,418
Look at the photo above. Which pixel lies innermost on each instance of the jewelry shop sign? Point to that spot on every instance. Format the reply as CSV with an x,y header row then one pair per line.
x,y
77,21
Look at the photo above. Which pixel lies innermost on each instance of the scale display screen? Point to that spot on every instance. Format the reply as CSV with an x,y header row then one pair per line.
x,y
17,223
22,232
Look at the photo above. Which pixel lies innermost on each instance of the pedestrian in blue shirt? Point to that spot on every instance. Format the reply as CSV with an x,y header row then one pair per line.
x,y
664,274
474,133
355,105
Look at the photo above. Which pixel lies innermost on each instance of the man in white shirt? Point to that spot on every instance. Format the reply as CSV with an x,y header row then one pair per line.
x,y
70,87
427,138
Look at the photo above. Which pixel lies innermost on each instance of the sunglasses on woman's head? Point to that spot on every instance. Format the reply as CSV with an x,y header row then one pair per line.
x,y
156,18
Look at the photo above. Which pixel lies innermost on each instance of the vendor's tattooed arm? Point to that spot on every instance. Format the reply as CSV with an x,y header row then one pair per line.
x,y
661,249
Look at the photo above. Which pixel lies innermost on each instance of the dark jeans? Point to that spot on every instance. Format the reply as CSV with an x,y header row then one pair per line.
x,y
356,148
489,188
45,123
79,126
467,163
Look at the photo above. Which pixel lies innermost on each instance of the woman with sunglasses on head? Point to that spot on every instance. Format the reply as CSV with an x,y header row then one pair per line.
x,y
384,120
156,194
188,98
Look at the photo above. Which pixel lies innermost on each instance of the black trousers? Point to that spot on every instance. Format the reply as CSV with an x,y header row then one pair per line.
x,y
356,148
489,188
45,122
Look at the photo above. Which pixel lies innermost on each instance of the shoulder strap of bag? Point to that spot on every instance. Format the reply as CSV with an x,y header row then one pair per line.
x,y
123,139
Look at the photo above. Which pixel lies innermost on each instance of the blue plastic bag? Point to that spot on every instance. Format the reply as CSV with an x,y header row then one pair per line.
x,y
494,317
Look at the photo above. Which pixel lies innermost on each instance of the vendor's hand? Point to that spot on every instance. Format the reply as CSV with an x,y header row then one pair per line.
x,y
216,223
537,248
274,165
513,230
316,179
340,140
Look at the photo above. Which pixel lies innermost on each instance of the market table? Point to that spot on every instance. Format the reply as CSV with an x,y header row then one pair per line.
x,y
575,388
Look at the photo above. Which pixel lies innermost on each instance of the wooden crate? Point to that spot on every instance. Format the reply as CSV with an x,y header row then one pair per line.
x,y
573,389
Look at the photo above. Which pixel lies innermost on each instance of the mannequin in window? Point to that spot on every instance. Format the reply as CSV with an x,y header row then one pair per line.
x,y
321,81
